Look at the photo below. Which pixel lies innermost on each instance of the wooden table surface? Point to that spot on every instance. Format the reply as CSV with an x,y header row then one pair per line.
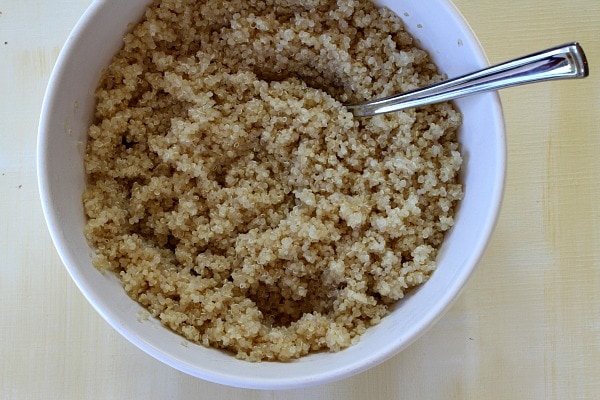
x,y
527,326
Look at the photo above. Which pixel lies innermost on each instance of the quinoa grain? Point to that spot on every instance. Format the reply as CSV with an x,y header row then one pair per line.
x,y
236,197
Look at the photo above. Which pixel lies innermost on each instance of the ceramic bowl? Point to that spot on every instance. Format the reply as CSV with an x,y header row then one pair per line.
x,y
67,112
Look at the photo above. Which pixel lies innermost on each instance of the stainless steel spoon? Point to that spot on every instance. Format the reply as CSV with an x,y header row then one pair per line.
x,y
562,62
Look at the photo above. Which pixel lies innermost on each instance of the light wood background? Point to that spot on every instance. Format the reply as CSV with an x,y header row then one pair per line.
x,y
527,326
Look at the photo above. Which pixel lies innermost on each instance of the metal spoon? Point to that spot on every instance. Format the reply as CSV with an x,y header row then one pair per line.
x,y
562,62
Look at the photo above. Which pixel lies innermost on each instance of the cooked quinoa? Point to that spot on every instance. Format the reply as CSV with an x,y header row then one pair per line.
x,y
239,201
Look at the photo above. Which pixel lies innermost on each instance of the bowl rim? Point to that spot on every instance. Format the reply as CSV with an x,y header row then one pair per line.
x,y
232,379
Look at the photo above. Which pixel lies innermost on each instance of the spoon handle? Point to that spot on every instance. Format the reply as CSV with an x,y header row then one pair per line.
x,y
562,62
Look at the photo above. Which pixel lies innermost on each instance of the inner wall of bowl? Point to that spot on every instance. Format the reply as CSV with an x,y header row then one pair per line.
x,y
67,113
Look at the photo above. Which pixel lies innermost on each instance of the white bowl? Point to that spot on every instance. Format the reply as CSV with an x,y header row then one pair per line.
x,y
67,113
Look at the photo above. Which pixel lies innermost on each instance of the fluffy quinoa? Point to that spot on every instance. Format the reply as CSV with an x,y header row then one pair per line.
x,y
234,195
